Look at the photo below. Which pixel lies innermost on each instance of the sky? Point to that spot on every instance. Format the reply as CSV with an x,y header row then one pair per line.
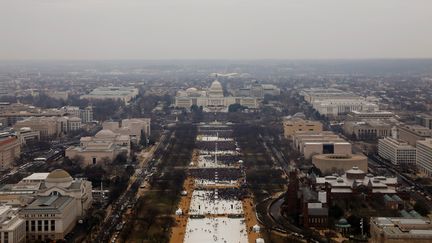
x,y
215,29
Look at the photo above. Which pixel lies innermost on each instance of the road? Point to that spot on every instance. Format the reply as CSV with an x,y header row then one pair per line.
x,y
417,191
116,211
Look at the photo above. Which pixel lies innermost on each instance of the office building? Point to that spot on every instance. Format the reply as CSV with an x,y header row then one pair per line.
x,y
58,95
47,126
49,217
125,94
27,135
367,129
331,163
14,112
50,127
86,115
424,120
313,143
413,133
258,90
12,227
424,156
356,181
364,115
396,230
292,125
335,102
68,124
10,150
396,151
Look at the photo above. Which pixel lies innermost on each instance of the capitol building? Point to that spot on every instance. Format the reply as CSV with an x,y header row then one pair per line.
x,y
212,99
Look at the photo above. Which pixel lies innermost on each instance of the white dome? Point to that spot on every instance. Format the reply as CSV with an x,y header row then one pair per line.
x,y
58,178
216,85
216,89
105,133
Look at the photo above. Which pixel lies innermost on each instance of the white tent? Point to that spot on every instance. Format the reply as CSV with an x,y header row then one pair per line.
x,y
179,212
259,240
256,228
183,193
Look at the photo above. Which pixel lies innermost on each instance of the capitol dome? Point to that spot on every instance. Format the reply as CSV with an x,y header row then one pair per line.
x,y
216,89
58,178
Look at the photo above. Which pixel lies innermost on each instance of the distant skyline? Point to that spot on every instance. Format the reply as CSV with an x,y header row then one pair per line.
x,y
214,29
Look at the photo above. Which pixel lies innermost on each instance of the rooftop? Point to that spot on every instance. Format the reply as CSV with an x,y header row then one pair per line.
x,y
36,177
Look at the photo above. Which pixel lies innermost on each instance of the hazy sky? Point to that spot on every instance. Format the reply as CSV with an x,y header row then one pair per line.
x,y
238,29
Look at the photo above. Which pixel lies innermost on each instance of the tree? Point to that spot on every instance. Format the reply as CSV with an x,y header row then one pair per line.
x,y
143,139
120,158
421,208
336,211
194,108
235,107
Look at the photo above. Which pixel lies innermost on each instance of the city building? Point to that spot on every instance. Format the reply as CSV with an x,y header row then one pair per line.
x,y
104,146
315,211
12,227
395,230
313,94
132,127
313,143
413,133
14,112
258,90
292,125
27,135
58,95
212,99
10,150
331,163
68,124
356,181
3,122
424,156
341,107
72,111
56,182
47,126
335,102
367,129
364,115
49,217
424,120
86,114
301,202
396,151
125,94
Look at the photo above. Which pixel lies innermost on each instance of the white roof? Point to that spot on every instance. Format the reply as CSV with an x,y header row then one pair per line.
x,y
420,232
219,229
37,176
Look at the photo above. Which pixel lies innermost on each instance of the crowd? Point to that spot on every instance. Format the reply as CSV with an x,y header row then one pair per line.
x,y
211,145
222,174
